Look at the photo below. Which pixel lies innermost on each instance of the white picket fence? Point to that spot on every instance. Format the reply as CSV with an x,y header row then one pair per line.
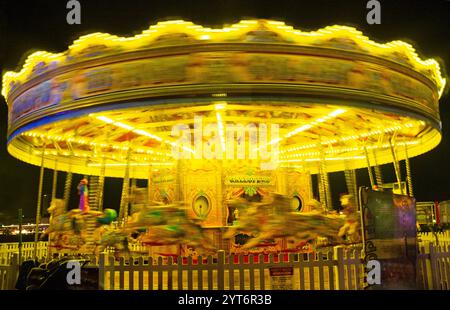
x,y
8,250
441,238
340,269
433,267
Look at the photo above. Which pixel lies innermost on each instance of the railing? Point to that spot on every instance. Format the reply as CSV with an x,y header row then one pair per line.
x,y
7,250
341,269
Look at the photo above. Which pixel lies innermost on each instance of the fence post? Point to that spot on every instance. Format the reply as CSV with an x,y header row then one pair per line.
x,y
14,272
434,268
340,267
221,270
101,271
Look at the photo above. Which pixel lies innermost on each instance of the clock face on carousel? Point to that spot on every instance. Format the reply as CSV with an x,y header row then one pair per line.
x,y
201,207
296,204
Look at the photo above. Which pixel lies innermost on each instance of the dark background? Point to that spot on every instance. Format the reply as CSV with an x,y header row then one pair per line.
x,y
27,26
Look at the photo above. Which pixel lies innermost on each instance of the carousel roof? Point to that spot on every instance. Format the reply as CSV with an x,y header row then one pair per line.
x,y
333,95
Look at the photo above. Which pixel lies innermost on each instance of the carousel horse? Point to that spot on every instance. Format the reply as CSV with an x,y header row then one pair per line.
x,y
109,237
269,220
167,225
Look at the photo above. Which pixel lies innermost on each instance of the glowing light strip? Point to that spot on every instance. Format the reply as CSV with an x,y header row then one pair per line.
x,y
347,138
87,141
319,159
131,164
316,122
140,132
346,149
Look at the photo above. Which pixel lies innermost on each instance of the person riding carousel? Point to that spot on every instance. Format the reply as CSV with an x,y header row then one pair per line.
x,y
351,228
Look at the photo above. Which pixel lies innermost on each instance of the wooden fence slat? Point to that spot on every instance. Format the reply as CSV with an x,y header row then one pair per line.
x,y
349,270
321,267
169,274
434,268
150,273
262,278
189,269
210,272
252,272
160,273
311,271
302,271
200,272
121,273
180,273
140,273
112,273
340,268
241,272
331,285
231,266
220,270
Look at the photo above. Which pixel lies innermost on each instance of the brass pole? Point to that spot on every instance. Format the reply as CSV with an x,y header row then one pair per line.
x,y
55,180
101,185
377,168
369,169
123,212
408,172
39,203
396,167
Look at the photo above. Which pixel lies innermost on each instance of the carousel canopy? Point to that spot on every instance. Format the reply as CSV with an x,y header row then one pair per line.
x,y
258,87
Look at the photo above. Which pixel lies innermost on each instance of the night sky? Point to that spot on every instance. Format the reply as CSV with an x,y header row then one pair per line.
x,y
27,26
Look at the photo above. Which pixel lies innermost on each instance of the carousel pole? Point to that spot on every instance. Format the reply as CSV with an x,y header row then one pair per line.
x,y
322,198
369,169
54,181
326,195
396,165
350,180
101,185
123,212
39,203
408,172
54,184
67,187
378,174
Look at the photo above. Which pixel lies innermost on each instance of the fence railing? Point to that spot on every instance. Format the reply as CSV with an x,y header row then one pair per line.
x,y
440,238
433,268
340,268
8,250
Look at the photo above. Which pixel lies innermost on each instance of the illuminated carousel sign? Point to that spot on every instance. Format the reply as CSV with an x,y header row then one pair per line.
x,y
247,180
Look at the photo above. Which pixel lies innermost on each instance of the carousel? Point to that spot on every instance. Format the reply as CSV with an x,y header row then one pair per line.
x,y
227,126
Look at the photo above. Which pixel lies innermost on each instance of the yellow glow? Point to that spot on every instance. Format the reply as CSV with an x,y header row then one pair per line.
x,y
131,164
318,159
331,115
346,149
221,130
146,37
352,137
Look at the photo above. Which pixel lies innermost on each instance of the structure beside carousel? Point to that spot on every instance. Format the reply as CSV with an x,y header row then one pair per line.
x,y
227,126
